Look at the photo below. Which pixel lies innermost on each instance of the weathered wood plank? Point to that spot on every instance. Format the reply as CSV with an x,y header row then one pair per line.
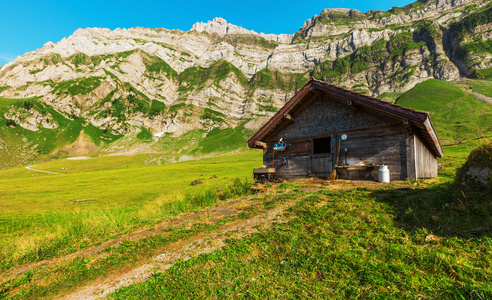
x,y
425,160
411,165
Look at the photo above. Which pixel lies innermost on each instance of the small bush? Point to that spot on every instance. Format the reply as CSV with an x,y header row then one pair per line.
x,y
28,105
10,123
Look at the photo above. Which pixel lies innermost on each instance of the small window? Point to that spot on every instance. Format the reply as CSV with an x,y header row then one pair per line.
x,y
322,145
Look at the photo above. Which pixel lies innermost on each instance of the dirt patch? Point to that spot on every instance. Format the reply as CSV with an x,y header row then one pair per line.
x,y
82,146
193,246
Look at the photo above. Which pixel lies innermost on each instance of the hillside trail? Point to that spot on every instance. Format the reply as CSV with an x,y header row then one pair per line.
x,y
193,246
53,173
181,251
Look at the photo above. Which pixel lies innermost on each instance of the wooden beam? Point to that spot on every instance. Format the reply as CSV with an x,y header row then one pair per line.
x,y
260,144
408,126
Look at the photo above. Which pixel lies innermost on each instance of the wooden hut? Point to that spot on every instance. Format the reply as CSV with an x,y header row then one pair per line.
x,y
323,122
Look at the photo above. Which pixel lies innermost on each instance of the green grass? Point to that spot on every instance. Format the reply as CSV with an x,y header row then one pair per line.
x,y
144,134
456,114
39,218
355,244
483,74
267,78
481,86
156,108
81,270
390,97
474,48
26,146
77,86
465,26
196,78
225,140
51,59
213,115
154,64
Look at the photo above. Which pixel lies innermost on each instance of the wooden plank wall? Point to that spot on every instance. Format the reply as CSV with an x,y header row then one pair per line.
x,y
411,163
296,167
378,145
321,164
426,163
326,115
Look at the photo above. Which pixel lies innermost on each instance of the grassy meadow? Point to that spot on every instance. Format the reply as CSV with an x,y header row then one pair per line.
x,y
456,115
44,215
425,239
385,244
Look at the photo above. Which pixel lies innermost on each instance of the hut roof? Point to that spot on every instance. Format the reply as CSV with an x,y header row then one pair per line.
x,y
417,120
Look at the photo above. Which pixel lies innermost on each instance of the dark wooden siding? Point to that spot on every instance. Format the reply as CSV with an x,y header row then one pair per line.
x,y
321,165
378,145
296,166
326,115
300,147
371,146
373,139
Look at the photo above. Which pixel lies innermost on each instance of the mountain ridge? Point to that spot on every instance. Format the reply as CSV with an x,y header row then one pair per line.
x,y
219,75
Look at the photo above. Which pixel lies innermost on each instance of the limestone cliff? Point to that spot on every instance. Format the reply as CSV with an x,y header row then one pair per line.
x,y
218,74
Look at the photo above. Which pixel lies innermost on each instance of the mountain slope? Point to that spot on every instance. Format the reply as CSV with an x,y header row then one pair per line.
x,y
145,82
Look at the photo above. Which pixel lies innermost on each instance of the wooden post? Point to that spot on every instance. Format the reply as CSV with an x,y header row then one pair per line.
x,y
261,144
273,158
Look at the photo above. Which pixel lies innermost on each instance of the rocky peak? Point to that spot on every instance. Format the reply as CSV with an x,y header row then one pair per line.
x,y
334,21
221,27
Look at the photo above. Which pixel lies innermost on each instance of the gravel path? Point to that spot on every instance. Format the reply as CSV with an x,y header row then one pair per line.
x,y
54,173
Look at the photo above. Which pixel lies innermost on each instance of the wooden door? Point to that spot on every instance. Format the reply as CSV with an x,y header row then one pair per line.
x,y
321,164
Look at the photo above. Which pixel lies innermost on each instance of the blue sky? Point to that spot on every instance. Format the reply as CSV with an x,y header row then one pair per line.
x,y
26,25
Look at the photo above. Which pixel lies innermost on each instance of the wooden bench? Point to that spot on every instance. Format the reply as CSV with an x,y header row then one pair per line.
x,y
367,172
263,174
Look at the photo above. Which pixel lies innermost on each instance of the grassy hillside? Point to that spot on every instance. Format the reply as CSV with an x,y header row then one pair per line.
x,y
26,146
23,146
457,115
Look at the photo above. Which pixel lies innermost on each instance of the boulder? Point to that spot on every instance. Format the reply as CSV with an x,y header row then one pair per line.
x,y
477,170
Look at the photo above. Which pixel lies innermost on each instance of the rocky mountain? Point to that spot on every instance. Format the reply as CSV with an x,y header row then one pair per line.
x,y
219,75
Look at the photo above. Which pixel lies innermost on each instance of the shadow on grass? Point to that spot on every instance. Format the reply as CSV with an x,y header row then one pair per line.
x,y
445,210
